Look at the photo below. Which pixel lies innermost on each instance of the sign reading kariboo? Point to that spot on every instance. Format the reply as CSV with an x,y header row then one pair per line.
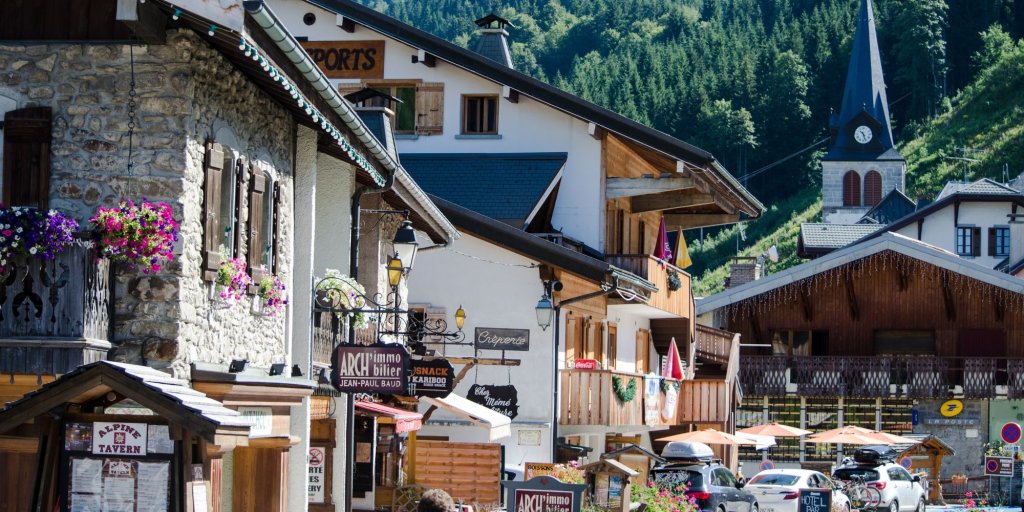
x,y
494,338
116,438
347,59
435,377
370,369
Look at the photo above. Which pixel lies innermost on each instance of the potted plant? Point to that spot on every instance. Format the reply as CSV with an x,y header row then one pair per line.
x,y
272,293
32,232
674,281
232,281
341,292
140,235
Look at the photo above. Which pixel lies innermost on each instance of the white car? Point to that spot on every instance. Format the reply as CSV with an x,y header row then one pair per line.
x,y
900,491
778,490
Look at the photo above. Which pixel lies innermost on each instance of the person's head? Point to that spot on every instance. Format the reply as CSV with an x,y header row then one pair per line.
x,y
436,500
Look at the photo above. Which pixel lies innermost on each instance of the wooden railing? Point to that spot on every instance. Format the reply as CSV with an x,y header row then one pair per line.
x,y
713,345
588,398
705,401
677,301
882,376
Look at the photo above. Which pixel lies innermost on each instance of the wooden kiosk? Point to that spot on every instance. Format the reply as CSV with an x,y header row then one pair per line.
x,y
609,482
60,449
927,454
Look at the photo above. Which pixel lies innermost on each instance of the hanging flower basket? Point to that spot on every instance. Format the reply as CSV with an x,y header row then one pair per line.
x,y
34,233
343,293
232,281
674,281
273,294
142,236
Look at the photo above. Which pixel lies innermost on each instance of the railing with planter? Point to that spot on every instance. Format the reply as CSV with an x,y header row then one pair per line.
x,y
588,398
54,314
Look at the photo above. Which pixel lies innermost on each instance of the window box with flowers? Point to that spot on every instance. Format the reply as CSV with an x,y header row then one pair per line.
x,y
139,235
32,233
272,293
232,282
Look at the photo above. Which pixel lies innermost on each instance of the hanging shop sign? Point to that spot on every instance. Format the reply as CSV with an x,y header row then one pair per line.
x,y
494,338
503,399
347,59
116,438
543,494
435,377
370,369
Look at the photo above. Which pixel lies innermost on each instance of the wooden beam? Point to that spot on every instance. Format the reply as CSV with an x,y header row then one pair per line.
x,y
633,187
484,361
904,277
699,220
346,24
510,94
851,296
145,20
668,201
594,131
13,444
1000,308
424,58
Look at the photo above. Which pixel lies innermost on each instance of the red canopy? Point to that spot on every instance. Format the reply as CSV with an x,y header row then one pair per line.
x,y
405,421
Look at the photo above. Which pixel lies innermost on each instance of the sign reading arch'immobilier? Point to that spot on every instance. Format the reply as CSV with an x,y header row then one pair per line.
x,y
544,494
370,369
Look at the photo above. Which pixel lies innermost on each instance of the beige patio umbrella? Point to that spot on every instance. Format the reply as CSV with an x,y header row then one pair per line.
x,y
708,436
776,430
845,435
892,438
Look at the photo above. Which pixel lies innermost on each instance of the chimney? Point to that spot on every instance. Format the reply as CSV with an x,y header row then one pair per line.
x,y
493,42
742,270
377,110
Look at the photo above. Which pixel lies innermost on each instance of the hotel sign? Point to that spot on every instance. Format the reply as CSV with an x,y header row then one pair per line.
x,y
347,59
117,438
494,338
370,369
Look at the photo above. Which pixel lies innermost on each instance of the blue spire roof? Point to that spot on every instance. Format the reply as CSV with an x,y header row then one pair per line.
x,y
864,94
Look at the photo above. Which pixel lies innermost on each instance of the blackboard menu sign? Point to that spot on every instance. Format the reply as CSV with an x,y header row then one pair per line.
x,y
815,500
494,338
370,369
503,399
435,377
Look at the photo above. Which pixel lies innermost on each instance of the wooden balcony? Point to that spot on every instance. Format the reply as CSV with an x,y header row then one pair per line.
x,y
678,302
883,376
54,315
714,345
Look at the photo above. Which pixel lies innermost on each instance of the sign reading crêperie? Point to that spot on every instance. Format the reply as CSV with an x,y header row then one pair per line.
x,y
495,338
117,438
347,59
370,369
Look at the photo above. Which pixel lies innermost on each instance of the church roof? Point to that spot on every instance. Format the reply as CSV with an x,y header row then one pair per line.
x,y
864,92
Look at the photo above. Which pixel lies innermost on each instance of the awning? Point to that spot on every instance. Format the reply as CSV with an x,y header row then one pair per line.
x,y
405,421
497,424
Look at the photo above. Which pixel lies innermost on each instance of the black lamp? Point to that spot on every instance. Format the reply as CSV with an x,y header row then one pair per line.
x,y
406,244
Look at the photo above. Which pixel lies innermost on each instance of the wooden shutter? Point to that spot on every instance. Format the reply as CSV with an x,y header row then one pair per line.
x,y
851,189
257,231
975,241
275,229
430,108
597,342
641,350
241,182
991,241
211,235
27,135
570,339
613,349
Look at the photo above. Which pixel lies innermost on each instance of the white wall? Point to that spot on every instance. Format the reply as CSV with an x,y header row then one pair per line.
x,y
627,325
939,228
526,126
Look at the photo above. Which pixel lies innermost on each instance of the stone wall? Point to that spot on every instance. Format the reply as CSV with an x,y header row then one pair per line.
x,y
893,177
186,93
967,439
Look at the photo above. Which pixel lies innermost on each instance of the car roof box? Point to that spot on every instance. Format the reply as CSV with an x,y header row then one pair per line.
x,y
874,455
677,451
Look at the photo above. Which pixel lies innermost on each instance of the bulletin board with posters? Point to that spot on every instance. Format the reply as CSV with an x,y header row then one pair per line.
x,y
118,466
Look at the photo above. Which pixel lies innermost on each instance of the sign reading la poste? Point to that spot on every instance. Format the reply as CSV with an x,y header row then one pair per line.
x,y
370,369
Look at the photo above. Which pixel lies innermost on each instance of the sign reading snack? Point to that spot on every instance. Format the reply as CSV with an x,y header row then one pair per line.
x,y
347,59
116,438
494,338
503,399
435,377
370,369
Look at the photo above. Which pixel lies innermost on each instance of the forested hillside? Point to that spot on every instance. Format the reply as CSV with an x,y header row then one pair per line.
x,y
752,81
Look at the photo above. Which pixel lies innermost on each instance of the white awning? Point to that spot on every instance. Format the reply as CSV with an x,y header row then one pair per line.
x,y
497,424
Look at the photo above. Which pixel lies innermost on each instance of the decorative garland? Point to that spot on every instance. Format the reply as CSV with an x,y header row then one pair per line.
x,y
665,385
674,281
624,395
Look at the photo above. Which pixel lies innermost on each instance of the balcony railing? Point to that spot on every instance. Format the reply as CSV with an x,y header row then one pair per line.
x,y
882,376
54,315
713,345
678,301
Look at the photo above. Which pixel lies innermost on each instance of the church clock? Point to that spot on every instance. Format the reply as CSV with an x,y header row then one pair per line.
x,y
862,134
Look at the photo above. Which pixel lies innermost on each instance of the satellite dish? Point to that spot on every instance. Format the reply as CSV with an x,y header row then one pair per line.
x,y
773,254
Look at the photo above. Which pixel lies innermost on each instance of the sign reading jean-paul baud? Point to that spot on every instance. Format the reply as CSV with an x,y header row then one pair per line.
x,y
347,59
495,338
370,369
116,438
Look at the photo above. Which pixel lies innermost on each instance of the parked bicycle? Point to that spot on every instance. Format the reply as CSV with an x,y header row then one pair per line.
x,y
862,496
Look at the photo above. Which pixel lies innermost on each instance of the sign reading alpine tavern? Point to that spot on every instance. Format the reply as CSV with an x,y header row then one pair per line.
x,y
543,494
435,377
347,59
494,338
370,369
116,438
503,399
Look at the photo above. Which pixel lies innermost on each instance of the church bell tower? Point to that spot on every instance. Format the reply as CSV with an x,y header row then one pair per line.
x,y
862,164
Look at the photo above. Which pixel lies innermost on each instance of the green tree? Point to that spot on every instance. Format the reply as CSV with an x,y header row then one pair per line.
x,y
729,131
917,29
995,43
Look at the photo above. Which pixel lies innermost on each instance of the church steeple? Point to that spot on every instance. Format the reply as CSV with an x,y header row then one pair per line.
x,y
864,98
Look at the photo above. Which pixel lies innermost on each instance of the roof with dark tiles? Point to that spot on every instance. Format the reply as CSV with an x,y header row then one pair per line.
x,y
820,236
502,186
982,186
895,205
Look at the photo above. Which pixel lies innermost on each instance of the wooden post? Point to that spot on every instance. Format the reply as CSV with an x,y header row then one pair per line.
x,y
411,451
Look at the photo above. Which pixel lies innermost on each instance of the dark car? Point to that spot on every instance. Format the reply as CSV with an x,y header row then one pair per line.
x,y
712,485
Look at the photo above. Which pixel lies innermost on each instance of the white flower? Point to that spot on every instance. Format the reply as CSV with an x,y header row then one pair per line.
x,y
19,229
32,250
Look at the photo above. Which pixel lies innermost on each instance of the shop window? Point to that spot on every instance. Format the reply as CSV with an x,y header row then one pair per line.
x,y
872,188
479,115
999,241
421,110
851,189
26,157
968,240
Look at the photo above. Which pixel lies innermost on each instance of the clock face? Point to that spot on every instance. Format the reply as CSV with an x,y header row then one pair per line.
x,y
862,134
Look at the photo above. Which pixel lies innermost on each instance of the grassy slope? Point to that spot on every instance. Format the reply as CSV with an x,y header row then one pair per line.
x,y
988,114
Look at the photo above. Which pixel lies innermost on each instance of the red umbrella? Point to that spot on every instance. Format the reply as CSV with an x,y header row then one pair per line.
x,y
673,364
662,249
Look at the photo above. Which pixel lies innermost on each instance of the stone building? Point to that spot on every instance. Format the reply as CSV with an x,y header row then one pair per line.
x,y
206,109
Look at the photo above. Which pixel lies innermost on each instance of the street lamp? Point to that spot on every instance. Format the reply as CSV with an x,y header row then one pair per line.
x,y
406,244
460,317
544,310
395,270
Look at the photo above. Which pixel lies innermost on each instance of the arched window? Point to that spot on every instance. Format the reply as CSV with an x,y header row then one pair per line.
x,y
872,188
851,189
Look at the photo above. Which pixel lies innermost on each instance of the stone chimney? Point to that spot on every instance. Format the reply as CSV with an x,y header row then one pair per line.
x,y
377,110
493,42
742,270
